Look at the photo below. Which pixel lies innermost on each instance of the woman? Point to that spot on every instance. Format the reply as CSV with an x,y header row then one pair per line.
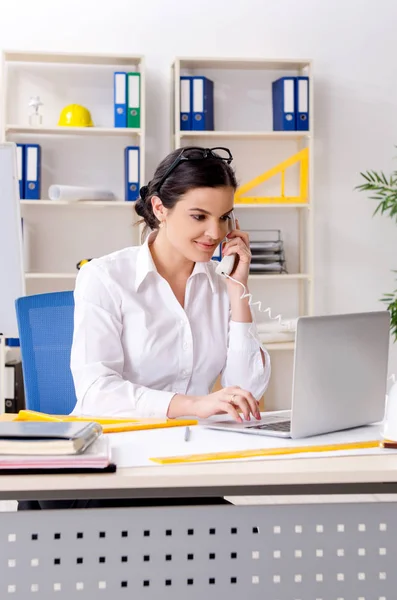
x,y
154,324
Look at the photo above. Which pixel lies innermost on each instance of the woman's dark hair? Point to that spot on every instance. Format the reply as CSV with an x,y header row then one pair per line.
x,y
199,167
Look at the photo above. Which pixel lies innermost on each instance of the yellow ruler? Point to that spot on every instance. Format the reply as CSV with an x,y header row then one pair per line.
x,y
109,424
189,458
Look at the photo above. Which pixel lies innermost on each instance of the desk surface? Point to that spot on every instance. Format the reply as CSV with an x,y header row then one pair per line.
x,y
358,473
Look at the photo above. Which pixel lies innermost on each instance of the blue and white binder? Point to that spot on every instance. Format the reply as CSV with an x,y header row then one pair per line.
x,y
120,99
32,171
131,166
284,111
186,94
302,103
203,104
21,168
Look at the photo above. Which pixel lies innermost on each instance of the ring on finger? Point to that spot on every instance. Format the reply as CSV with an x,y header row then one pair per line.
x,y
232,397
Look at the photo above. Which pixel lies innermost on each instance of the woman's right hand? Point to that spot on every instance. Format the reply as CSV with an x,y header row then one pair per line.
x,y
231,400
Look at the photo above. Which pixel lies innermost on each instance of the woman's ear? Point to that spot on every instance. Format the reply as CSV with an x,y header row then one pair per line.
x,y
159,210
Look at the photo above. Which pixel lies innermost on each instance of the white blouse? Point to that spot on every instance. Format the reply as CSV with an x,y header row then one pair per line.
x,y
135,347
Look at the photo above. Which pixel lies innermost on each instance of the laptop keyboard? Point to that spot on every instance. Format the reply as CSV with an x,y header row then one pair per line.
x,y
280,426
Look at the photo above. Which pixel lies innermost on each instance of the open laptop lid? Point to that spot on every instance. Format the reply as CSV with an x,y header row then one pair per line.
x,y
340,372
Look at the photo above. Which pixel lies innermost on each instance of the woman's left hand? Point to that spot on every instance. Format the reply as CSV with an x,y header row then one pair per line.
x,y
238,244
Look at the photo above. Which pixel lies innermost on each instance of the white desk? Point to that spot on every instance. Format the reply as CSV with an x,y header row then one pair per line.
x,y
281,552
362,471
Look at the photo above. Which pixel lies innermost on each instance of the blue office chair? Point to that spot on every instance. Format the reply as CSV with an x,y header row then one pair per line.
x,y
45,323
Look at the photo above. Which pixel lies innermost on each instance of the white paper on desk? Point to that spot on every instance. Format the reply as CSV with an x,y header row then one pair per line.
x,y
74,193
279,337
285,326
273,331
134,449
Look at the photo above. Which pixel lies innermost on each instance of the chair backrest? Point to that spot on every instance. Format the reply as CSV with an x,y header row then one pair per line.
x,y
45,323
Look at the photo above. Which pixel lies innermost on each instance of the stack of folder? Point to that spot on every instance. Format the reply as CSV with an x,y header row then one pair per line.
x,y
268,253
48,447
127,99
197,103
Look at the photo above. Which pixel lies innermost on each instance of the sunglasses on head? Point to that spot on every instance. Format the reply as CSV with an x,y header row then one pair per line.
x,y
193,153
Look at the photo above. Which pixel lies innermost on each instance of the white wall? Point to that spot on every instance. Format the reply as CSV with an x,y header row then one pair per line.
x,y
354,47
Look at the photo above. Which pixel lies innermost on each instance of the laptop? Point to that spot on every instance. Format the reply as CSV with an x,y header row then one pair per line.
x,y
339,378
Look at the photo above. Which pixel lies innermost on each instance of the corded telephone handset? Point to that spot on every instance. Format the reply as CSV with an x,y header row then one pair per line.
x,y
226,266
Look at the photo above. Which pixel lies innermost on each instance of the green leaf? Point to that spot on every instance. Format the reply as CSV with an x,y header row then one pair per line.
x,y
365,176
378,177
384,191
377,209
391,301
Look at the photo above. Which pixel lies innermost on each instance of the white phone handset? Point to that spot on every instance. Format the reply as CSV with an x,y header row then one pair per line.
x,y
226,265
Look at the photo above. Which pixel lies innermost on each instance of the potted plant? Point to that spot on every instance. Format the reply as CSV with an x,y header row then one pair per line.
x,y
384,191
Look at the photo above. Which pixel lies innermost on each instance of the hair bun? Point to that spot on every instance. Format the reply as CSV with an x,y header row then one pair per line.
x,y
144,209
140,207
143,192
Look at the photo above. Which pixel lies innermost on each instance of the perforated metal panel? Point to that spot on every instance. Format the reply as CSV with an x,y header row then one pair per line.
x,y
285,552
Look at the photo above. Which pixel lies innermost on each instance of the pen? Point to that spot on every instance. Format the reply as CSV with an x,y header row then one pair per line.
x,y
187,434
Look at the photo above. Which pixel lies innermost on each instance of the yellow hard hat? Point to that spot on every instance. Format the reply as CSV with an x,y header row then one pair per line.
x,y
75,115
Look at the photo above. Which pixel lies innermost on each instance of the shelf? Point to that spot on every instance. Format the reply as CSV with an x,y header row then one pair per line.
x,y
51,275
64,131
280,276
261,205
71,59
287,276
243,63
248,135
278,345
82,203
124,204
